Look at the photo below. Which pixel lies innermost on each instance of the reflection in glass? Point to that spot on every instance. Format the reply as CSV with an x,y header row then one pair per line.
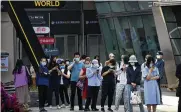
x,y
150,35
71,46
117,6
145,4
137,32
173,30
102,7
92,45
177,60
168,14
131,5
60,46
176,46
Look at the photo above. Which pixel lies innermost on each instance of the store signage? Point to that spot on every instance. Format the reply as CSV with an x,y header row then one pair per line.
x,y
46,40
47,3
4,63
41,30
64,22
53,52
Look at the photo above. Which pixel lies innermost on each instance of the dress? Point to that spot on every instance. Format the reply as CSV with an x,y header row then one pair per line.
x,y
151,89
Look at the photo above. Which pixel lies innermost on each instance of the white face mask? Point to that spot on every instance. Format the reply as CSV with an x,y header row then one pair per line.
x,y
67,63
132,63
95,66
151,65
43,63
158,56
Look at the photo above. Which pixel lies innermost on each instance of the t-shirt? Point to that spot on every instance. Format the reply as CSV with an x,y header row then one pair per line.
x,y
76,71
110,77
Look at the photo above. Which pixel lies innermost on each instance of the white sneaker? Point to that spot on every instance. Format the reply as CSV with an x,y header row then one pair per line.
x,y
68,106
50,106
63,106
58,107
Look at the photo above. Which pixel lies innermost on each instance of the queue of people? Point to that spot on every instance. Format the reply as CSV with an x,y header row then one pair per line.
x,y
86,77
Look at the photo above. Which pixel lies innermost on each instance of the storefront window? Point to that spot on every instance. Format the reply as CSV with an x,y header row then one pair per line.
x,y
145,5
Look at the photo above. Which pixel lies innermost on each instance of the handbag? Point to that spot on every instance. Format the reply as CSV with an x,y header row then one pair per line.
x,y
80,84
178,91
135,98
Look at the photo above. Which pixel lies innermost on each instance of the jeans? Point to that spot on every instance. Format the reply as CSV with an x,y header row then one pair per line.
x,y
127,106
73,91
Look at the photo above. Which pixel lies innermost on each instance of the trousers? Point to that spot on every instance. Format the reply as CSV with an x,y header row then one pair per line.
x,y
42,94
119,94
64,92
92,96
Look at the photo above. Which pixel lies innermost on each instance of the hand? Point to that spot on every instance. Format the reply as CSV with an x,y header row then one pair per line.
x,y
133,84
151,70
54,68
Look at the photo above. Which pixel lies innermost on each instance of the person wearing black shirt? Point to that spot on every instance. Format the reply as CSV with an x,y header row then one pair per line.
x,y
108,84
133,83
178,75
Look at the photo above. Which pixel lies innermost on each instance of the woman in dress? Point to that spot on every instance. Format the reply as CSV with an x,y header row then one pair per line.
x,y
21,83
151,89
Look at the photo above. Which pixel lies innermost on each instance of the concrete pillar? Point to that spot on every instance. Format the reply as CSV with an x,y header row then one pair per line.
x,y
165,45
8,44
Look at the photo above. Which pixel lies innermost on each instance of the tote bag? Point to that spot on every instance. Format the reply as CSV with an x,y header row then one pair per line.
x,y
135,98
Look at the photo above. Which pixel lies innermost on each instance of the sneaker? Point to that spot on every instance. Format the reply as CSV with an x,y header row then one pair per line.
x,y
95,109
62,106
81,108
43,110
68,106
50,106
110,110
58,107
46,104
102,109
87,109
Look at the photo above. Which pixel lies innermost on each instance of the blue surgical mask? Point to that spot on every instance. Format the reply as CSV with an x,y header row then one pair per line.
x,y
62,67
43,63
77,59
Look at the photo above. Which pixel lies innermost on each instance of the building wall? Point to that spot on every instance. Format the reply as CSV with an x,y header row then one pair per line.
x,y
8,42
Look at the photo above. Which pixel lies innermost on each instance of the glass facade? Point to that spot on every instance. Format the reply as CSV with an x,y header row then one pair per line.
x,y
126,31
172,18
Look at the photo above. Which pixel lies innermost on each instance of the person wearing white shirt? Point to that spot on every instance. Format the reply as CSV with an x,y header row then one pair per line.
x,y
121,81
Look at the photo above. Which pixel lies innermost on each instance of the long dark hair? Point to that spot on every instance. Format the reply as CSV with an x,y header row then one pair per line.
x,y
149,60
18,67
52,63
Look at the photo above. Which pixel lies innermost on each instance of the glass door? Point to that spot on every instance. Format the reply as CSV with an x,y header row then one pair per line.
x,y
67,45
95,46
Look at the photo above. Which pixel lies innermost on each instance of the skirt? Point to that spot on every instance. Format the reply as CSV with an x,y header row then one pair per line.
x,y
22,94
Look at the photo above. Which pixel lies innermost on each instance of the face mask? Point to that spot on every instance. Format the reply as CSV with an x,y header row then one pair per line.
x,y
132,63
43,63
151,65
95,66
87,65
158,56
62,67
77,59
67,63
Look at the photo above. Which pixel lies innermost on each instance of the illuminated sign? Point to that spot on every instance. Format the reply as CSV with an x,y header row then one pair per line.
x,y
47,3
46,40
41,30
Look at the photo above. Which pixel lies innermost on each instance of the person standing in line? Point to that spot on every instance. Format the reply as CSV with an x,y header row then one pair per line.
x,y
178,75
21,83
160,64
75,68
98,58
83,77
54,82
42,78
64,82
82,59
121,81
111,56
94,81
133,82
151,89
108,84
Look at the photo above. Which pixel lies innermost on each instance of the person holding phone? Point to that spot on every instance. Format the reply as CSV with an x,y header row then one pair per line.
x,y
151,87
75,68
54,82
108,84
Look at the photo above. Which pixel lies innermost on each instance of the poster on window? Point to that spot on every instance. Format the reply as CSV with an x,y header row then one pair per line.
x,y
4,63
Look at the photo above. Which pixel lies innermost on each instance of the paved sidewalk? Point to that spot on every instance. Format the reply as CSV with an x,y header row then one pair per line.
x,y
170,103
